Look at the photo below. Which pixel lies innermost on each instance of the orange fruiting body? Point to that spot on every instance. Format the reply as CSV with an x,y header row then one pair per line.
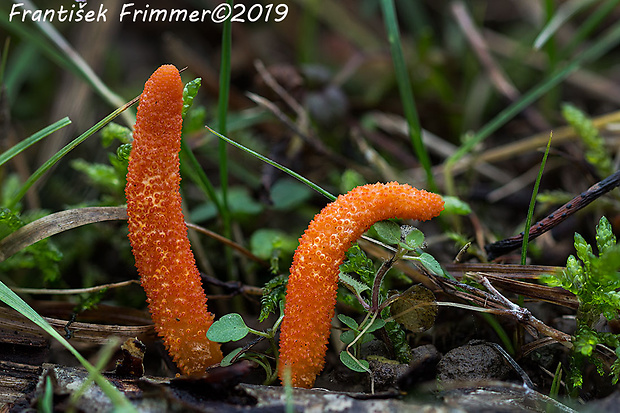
x,y
313,280
157,229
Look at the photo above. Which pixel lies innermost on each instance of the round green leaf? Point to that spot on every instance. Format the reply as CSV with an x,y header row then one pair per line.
x,y
230,327
347,337
414,238
376,325
361,366
348,321
388,232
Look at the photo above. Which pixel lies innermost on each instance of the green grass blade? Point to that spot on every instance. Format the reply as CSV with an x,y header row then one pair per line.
x,y
222,107
561,16
31,140
530,211
554,392
500,331
222,115
14,301
589,25
295,175
609,40
65,150
406,94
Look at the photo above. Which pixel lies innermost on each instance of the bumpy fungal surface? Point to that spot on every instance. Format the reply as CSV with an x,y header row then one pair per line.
x,y
313,280
157,229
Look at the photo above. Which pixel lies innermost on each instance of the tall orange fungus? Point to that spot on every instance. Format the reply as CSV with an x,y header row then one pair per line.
x,y
157,229
313,280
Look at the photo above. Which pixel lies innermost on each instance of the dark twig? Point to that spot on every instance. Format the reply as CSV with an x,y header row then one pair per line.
x,y
504,246
233,288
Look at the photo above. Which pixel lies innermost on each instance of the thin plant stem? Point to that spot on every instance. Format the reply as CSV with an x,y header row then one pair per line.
x,y
376,287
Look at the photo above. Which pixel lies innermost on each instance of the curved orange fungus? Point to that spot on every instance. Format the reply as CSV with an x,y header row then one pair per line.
x,y
157,229
313,280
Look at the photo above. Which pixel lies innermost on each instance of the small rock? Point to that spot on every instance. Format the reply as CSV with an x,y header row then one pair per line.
x,y
385,372
473,362
423,367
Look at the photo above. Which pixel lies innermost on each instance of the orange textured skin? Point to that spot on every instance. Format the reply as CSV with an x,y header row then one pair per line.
x,y
313,280
157,229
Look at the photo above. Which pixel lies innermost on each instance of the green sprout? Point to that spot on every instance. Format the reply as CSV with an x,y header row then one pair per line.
x,y
595,281
385,311
232,327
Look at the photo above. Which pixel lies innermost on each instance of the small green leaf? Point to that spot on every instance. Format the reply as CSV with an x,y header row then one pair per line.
x,y
347,337
189,92
414,238
454,205
348,321
376,325
430,263
352,283
227,360
360,366
101,175
230,327
584,250
388,232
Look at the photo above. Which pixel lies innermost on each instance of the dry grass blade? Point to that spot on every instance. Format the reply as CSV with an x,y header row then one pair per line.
x,y
501,306
81,331
72,291
506,276
553,295
65,220
56,223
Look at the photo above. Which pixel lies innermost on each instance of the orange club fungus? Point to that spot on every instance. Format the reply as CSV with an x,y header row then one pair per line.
x,y
157,229
313,280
